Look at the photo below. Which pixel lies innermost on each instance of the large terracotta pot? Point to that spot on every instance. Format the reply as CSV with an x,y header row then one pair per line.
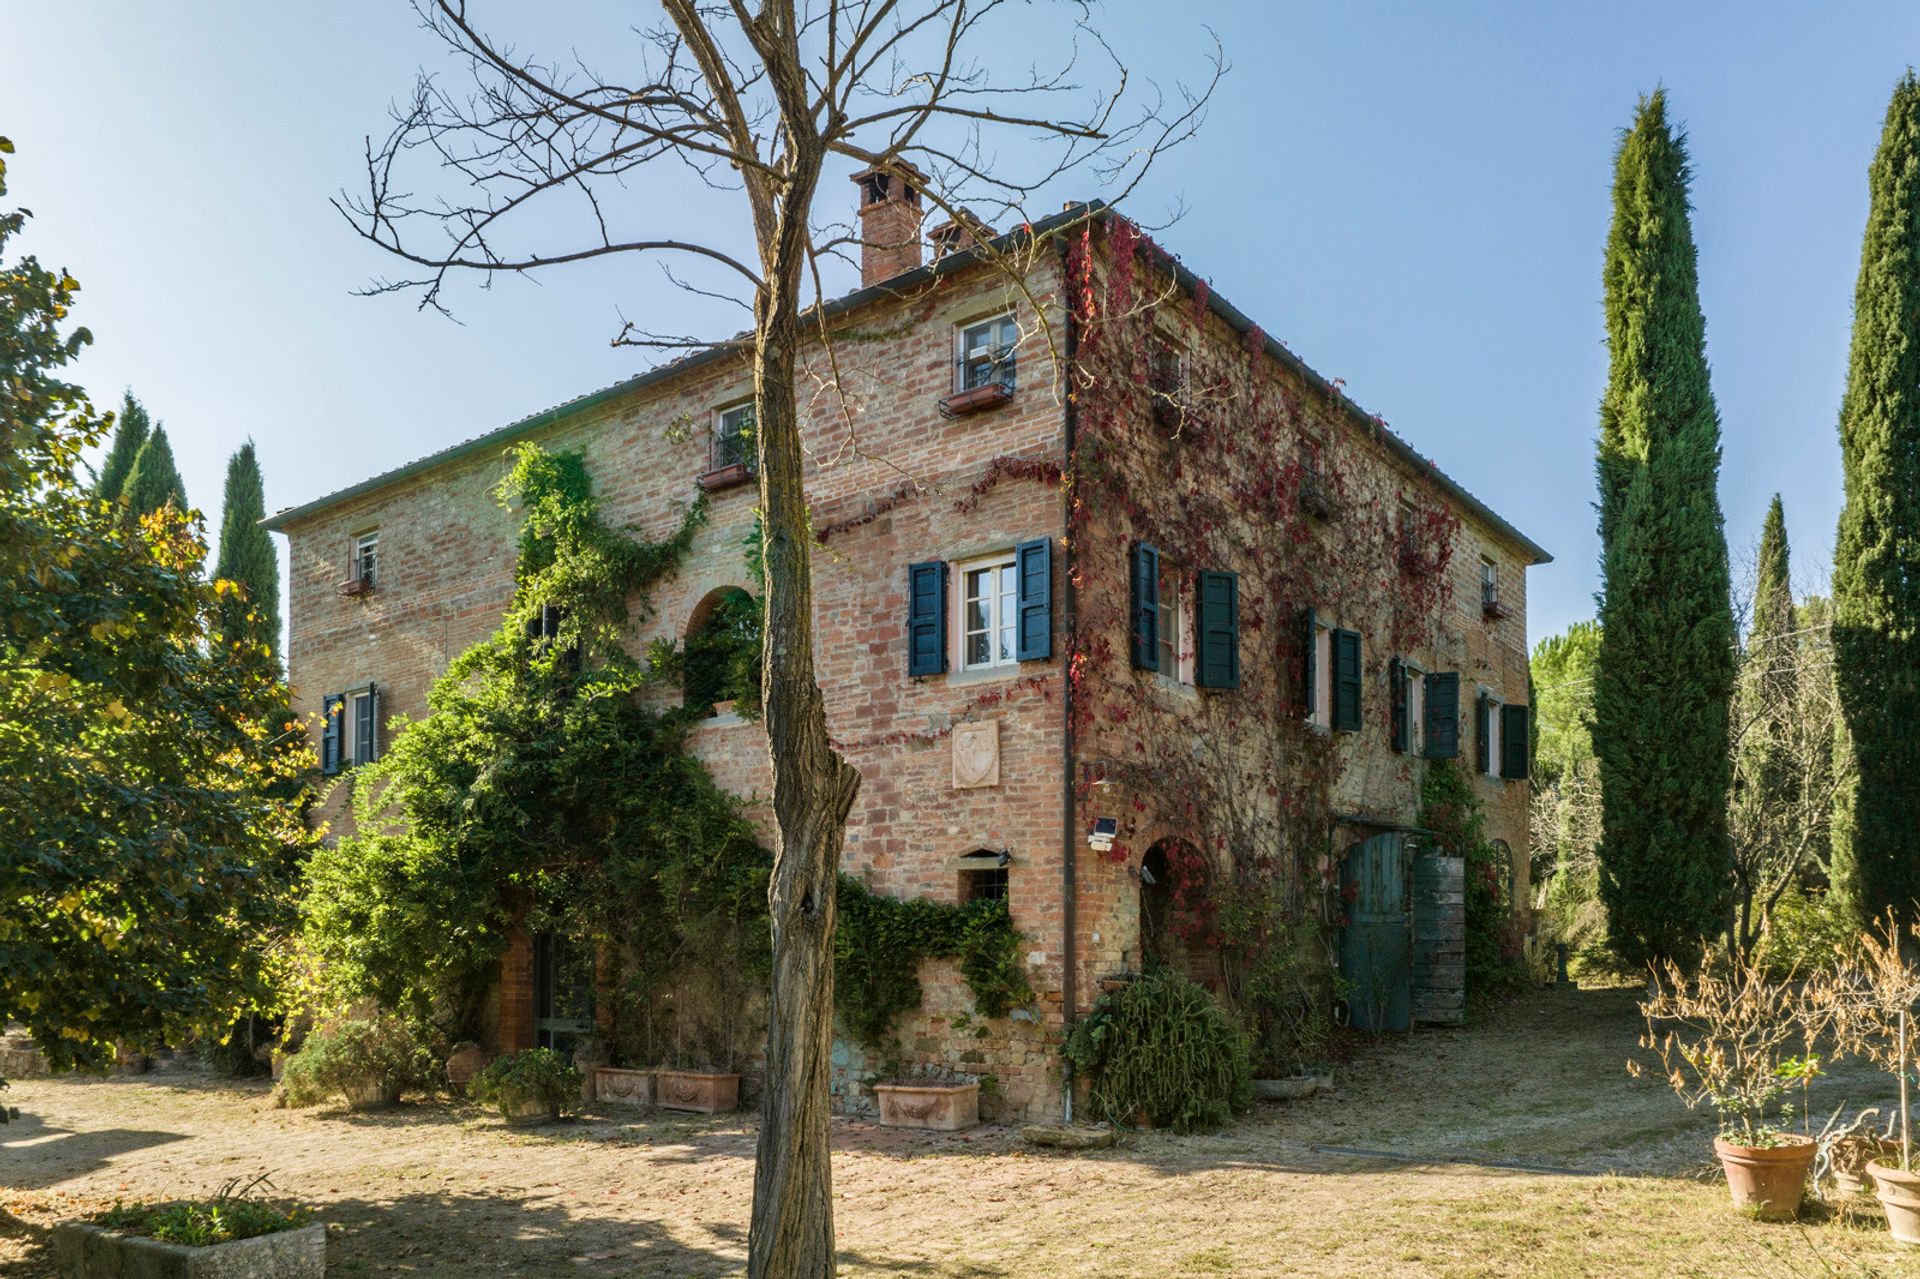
x,y
624,1087
705,1091
372,1094
1768,1179
940,1107
1850,1157
1899,1194
463,1063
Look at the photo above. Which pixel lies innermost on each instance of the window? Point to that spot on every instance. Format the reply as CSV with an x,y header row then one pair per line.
x,y
1486,753
987,353
1320,675
732,437
1409,689
989,612
366,559
1333,675
350,728
1489,584
1174,625
983,876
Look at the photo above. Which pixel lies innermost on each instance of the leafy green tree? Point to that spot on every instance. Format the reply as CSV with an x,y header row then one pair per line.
x,y
1664,677
140,857
1876,559
1562,670
130,429
247,556
1565,811
155,480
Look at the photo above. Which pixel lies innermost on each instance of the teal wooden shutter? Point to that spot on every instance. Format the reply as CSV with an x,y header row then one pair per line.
x,y
1033,569
331,724
927,618
1310,664
1145,575
1513,741
1483,733
1346,681
1443,715
1217,654
366,727
1397,700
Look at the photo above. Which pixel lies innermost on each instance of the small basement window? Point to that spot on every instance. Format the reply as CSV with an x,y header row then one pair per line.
x,y
987,353
983,876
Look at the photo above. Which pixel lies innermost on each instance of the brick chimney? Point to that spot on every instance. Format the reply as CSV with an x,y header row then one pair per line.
x,y
889,222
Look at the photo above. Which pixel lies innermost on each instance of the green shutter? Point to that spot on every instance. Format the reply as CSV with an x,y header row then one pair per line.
x,y
1145,578
927,618
1217,652
366,727
1513,741
1033,570
1443,715
1397,699
331,724
1483,734
1346,681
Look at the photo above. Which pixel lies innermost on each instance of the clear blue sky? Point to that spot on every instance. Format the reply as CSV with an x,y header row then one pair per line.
x,y
1413,196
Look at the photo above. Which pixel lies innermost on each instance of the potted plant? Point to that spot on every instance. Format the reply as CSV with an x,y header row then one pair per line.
x,y
934,1099
1721,1035
228,1234
366,1061
1847,1149
529,1087
1872,997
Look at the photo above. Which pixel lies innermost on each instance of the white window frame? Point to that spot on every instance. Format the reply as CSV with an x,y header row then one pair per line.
x,y
1006,595
364,544
1176,624
1322,716
718,432
1416,707
1489,581
1006,360
1492,730
350,726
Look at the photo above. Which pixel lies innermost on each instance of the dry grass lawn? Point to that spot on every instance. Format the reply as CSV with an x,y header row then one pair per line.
x,y
1538,1085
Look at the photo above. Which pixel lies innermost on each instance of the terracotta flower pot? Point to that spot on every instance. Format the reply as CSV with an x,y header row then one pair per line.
x,y
372,1094
1849,1162
1899,1193
940,1107
1768,1179
463,1063
624,1087
700,1090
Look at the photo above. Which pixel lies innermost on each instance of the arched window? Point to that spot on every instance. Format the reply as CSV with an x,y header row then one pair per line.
x,y
722,661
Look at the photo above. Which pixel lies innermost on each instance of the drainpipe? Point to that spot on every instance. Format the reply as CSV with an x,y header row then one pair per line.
x,y
1069,842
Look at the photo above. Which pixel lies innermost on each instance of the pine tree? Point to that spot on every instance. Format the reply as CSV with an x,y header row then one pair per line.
x,y
155,480
129,433
247,556
1876,558
1663,678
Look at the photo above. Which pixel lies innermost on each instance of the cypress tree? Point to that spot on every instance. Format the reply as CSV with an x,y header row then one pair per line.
x,y
246,555
1771,637
1876,558
155,480
130,431
1663,676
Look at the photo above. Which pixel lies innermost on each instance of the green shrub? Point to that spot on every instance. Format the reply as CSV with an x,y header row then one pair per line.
x,y
344,1056
1163,1045
532,1075
201,1223
1804,934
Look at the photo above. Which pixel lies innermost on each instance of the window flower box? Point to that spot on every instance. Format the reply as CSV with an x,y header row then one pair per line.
x,y
1493,610
939,1107
622,1086
357,586
1316,498
977,399
729,476
705,1092
82,1248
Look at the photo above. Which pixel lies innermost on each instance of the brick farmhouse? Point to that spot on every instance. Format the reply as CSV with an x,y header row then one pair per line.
x,y
1107,581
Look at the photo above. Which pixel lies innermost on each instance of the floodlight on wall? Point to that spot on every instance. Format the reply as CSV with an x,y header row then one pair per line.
x,y
1104,831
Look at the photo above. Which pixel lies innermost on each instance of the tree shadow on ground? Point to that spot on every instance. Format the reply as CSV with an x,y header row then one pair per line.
x,y
28,1145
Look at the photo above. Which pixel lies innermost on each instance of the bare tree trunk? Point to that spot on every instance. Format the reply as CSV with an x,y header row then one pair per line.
x,y
791,1235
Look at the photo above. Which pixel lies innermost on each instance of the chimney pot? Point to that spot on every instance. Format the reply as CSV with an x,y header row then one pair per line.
x,y
889,221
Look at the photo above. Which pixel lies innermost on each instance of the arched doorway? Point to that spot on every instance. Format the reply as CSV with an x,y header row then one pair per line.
x,y
1177,914
721,661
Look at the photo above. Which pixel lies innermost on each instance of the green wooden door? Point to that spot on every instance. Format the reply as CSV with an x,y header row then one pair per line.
x,y
1376,940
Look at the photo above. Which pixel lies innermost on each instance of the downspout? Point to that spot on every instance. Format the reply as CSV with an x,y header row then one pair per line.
x,y
1069,843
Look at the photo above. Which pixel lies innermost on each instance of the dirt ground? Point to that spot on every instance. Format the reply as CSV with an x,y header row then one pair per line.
x,y
1523,1146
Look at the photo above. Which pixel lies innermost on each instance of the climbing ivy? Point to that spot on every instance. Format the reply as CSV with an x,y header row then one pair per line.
x,y
1450,809
879,943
